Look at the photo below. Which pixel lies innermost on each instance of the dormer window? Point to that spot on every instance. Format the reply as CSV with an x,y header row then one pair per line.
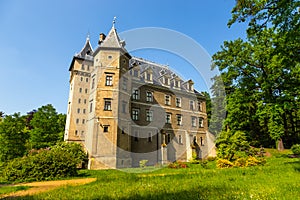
x,y
136,73
176,83
166,81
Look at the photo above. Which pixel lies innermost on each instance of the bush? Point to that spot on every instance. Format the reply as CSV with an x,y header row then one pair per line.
x,y
60,161
296,149
177,165
223,163
143,163
240,162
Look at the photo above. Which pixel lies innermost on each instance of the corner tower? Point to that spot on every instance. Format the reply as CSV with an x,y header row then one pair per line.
x,y
111,63
80,74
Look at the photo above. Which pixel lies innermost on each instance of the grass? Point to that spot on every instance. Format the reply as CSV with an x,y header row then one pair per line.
x,y
8,189
278,179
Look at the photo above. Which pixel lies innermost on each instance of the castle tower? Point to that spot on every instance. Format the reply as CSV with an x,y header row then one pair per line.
x,y
80,74
105,137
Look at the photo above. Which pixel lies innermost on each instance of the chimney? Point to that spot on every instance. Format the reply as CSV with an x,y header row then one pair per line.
x,y
101,38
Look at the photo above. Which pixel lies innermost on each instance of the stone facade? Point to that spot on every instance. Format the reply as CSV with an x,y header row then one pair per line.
x,y
125,109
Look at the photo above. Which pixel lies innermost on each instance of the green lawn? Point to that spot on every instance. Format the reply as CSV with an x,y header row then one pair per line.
x,y
278,179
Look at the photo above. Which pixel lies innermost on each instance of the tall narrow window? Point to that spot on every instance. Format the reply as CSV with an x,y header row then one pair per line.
x,y
135,94
168,138
178,102
180,139
150,137
80,90
107,104
84,101
168,118
201,122
93,83
78,110
135,73
86,91
83,111
200,106
149,115
191,105
179,119
135,114
82,67
124,106
149,97
77,121
124,84
201,141
167,100
86,79
83,121
91,107
193,121
79,100
109,80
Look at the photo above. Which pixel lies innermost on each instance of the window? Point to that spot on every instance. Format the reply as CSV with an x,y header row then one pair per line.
x,y
91,107
177,84
109,57
167,100
191,105
136,136
108,80
93,83
105,128
135,94
124,84
148,76
78,110
180,139
168,118
135,73
199,106
81,78
179,119
79,100
150,137
193,121
82,67
178,102
107,104
195,140
86,79
77,121
201,141
86,91
168,138
201,122
149,115
135,114
80,90
84,101
124,107
149,97
166,81
76,132
83,121
83,111
88,68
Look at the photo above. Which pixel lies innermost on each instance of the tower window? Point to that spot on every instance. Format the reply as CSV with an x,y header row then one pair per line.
x,y
83,121
77,121
86,91
80,90
93,83
79,100
109,80
135,94
78,110
86,79
149,115
193,121
105,128
149,96
180,139
201,122
82,67
135,114
107,104
167,100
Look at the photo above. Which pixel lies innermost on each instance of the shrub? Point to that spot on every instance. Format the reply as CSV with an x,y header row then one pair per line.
x,y
223,163
60,161
253,161
296,149
177,165
143,163
240,162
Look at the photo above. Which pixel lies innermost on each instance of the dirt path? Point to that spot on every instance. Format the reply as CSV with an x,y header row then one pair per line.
x,y
38,187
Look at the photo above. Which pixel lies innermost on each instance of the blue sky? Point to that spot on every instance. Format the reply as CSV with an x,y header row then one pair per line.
x,y
39,38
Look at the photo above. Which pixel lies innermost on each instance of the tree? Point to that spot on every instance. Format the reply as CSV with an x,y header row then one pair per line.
x,y
47,127
261,74
13,136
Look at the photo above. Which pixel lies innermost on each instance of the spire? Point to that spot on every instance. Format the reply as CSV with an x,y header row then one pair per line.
x,y
87,49
114,21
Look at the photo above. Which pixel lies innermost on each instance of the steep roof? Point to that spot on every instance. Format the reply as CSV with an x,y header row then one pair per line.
x,y
87,50
112,40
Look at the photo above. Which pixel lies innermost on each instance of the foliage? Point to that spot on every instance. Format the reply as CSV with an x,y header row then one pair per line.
x,y
47,127
240,162
13,136
143,163
261,74
177,165
296,149
60,161
232,145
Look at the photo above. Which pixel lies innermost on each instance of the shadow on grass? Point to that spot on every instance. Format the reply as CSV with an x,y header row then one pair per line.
x,y
294,164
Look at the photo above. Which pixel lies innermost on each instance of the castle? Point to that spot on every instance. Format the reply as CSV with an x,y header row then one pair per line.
x,y
125,109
